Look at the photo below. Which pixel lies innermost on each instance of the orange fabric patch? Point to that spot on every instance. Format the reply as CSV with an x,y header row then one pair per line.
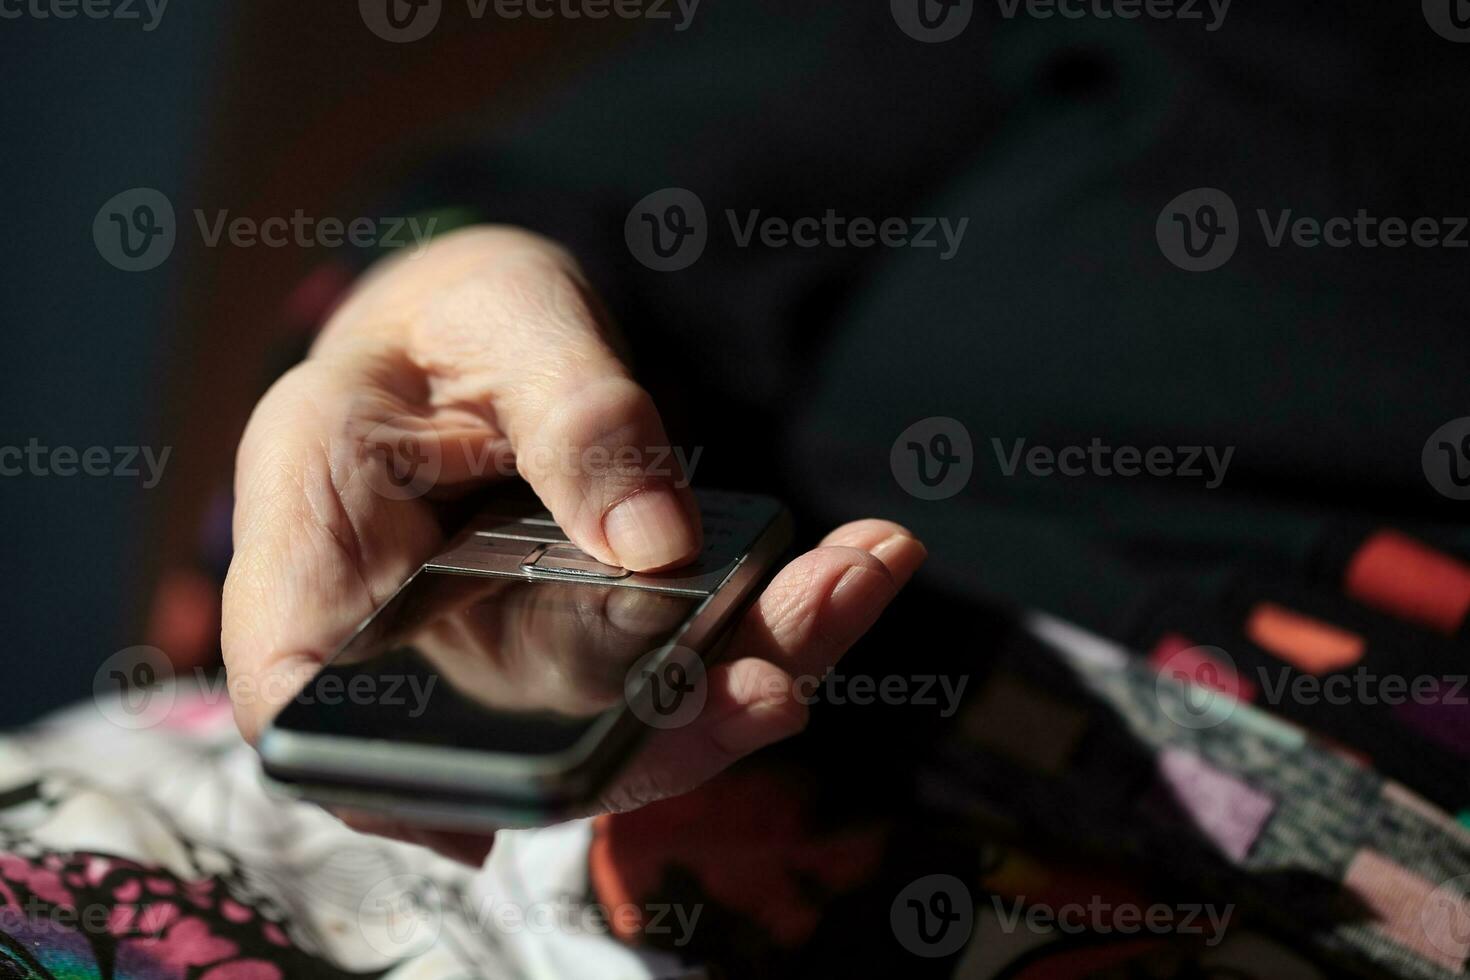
x,y
1306,643
1409,579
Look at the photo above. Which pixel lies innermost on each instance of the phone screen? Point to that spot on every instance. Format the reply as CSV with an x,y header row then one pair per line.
x,y
492,664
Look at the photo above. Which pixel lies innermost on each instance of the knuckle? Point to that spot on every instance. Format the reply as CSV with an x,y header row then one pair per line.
x,y
609,413
604,411
489,245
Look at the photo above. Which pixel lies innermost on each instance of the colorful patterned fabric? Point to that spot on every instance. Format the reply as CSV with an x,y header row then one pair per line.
x,y
1090,809
1096,810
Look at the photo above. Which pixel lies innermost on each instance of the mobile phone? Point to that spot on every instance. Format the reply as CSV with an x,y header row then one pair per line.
x,y
513,675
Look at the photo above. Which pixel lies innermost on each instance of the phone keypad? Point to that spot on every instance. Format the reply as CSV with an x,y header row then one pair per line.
x,y
519,537
574,561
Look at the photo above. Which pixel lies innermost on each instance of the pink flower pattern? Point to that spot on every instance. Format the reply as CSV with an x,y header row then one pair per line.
x,y
79,915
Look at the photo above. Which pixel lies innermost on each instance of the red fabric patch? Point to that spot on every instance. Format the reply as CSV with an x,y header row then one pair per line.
x,y
1407,578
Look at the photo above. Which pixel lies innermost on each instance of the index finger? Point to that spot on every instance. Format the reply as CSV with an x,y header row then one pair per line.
x,y
517,335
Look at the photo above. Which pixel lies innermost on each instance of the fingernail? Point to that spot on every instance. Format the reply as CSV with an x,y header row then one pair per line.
x,y
902,553
650,530
759,725
858,598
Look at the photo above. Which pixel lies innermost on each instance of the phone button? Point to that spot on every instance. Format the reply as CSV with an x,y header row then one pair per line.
x,y
484,554
575,561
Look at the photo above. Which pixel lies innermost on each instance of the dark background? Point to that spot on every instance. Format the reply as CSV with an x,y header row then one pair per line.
x,y
90,108
258,108
1059,139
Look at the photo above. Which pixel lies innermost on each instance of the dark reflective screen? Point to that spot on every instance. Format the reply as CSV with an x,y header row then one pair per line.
x,y
496,664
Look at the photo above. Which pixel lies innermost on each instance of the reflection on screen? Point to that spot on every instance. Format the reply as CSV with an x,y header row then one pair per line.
x,y
495,664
